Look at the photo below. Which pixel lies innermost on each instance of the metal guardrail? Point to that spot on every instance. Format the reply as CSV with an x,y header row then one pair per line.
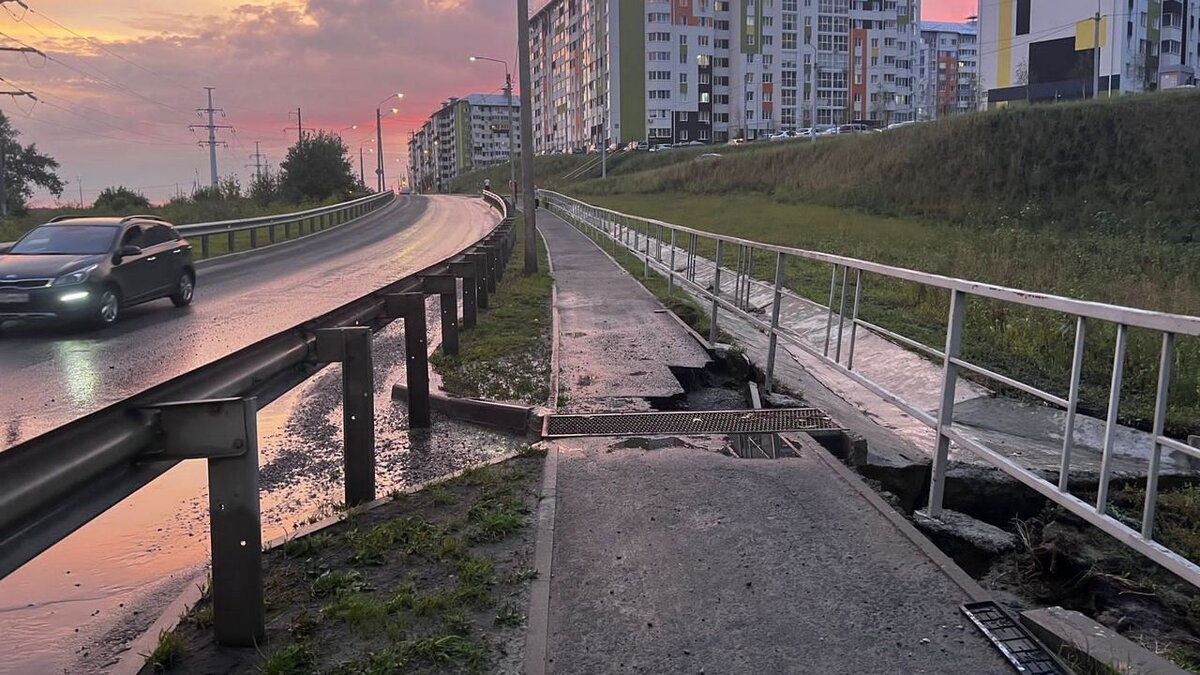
x,y
653,240
299,223
55,483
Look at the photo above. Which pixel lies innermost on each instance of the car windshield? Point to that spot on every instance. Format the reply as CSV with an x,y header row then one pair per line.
x,y
66,240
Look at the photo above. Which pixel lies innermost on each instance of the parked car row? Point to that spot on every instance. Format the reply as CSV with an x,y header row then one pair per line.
x,y
784,135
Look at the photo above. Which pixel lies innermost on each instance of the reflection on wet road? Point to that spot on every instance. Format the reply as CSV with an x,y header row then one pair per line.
x,y
54,375
76,606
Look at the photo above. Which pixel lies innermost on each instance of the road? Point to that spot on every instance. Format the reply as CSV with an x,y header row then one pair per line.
x,y
54,375
74,607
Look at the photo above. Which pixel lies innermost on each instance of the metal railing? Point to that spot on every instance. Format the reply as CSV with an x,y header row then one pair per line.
x,y
55,483
265,230
660,244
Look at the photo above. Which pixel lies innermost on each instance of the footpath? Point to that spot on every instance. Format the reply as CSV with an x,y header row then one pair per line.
x,y
680,559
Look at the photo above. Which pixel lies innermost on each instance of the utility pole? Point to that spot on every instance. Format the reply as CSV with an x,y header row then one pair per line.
x,y
362,176
212,127
379,148
531,261
1096,55
299,126
257,157
512,138
79,181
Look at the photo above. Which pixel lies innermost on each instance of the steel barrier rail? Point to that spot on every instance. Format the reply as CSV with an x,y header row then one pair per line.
x,y
646,239
317,219
53,484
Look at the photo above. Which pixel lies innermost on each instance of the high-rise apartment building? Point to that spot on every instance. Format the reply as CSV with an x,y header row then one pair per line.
x,y
948,69
1045,51
463,135
676,71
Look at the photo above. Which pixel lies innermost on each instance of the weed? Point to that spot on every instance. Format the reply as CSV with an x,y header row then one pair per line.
x,y
527,574
441,496
450,547
447,649
509,615
495,524
294,659
475,570
202,618
166,653
302,547
358,610
302,625
386,662
409,535
338,582
403,598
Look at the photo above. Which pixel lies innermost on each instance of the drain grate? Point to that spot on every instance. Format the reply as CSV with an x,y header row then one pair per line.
x,y
1018,646
690,423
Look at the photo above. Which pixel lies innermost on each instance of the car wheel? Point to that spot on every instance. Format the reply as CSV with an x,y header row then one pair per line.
x,y
185,290
108,310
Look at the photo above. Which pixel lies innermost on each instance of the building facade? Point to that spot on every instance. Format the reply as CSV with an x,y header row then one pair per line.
x,y
948,69
1045,50
463,135
678,71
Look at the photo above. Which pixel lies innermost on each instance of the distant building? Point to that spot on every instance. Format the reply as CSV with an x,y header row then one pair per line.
x,y
1037,51
680,71
948,69
463,135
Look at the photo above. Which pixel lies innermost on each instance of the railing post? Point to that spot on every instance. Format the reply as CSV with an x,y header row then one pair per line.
x,y
1160,422
352,347
646,237
1110,424
481,282
841,316
829,320
467,272
446,287
271,232
774,337
204,246
1064,472
231,237
254,237
712,328
858,280
412,307
671,275
941,457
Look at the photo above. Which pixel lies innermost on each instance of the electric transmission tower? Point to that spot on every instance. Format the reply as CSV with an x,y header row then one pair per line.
x,y
212,127
258,158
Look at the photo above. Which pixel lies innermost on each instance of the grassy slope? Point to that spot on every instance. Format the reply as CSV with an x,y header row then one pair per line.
x,y
507,355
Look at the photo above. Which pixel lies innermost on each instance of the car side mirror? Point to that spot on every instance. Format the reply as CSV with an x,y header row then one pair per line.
x,y
125,252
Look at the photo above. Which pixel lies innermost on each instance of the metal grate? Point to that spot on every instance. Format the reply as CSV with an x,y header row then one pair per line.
x,y
692,423
1024,652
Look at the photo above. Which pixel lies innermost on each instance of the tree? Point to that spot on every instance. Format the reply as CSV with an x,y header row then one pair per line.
x,y
24,167
120,200
317,167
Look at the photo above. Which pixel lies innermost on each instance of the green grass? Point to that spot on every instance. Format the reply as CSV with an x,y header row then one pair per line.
x,y
1030,345
506,356
166,653
295,659
302,547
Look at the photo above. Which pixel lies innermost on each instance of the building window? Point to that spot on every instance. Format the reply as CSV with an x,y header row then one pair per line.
x,y
1023,9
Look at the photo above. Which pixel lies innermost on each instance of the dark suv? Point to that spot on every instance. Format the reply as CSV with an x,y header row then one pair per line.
x,y
89,269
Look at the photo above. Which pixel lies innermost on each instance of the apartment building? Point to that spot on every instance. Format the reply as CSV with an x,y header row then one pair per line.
x,y
463,135
948,69
677,71
1037,51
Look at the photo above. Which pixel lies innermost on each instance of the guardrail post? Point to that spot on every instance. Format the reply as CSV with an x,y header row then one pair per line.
x,y
829,320
352,347
412,307
1064,472
446,287
204,246
467,271
858,282
646,268
671,276
716,305
271,233
1160,419
481,282
1114,410
493,274
941,458
774,336
225,432
254,237
232,241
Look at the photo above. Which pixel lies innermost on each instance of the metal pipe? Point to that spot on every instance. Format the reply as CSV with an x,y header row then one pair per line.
x,y
829,320
854,318
1110,424
941,457
841,316
773,333
712,328
1064,471
1160,419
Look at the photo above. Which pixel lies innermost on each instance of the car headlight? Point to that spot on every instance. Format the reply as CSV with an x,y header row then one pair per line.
x,y
75,278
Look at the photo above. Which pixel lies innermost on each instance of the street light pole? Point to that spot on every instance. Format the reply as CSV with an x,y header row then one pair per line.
x,y
531,261
379,137
362,176
512,142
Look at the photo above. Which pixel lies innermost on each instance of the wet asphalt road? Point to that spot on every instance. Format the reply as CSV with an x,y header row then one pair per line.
x,y
53,375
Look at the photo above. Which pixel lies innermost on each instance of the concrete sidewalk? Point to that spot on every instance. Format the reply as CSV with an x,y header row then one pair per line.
x,y
684,560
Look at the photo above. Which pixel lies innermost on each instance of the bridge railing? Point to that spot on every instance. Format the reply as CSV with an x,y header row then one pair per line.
x,y
223,237
675,252
55,483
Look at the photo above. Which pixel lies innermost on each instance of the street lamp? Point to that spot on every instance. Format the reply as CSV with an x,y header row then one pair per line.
x,y
379,135
512,146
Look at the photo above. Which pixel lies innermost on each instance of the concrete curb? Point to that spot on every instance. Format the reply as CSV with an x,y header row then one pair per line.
x,y
537,635
133,660
515,419
208,262
970,587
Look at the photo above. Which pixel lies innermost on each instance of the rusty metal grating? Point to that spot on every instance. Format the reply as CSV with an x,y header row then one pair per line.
x,y
1020,648
690,423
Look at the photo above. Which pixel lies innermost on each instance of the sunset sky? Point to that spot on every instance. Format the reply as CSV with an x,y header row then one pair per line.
x,y
114,108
